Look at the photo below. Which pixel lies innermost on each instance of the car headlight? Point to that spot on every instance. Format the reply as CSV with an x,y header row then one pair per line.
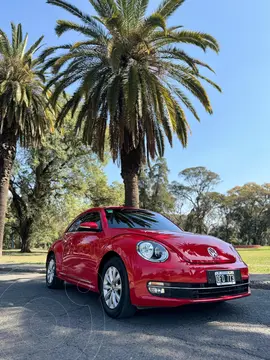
x,y
152,251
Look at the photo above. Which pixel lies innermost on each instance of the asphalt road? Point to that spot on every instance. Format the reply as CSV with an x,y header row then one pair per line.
x,y
37,323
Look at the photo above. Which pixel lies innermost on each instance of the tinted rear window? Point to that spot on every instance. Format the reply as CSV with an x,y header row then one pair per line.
x,y
139,219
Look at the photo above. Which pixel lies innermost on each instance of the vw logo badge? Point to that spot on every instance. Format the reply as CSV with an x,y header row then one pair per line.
x,y
212,252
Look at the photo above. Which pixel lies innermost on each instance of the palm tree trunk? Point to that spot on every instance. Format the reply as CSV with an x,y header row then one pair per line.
x,y
131,166
131,190
7,157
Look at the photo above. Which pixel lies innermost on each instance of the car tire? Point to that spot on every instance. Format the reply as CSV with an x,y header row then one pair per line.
x,y
115,302
52,281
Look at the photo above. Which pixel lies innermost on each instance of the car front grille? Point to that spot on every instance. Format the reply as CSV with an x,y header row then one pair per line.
x,y
202,291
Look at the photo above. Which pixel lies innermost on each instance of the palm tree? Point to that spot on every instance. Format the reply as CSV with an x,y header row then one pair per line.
x,y
24,107
130,77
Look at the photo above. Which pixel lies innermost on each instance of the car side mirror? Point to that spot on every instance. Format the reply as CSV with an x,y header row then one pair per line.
x,y
89,225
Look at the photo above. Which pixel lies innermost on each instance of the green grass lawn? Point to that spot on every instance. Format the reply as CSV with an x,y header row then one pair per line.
x,y
258,260
37,256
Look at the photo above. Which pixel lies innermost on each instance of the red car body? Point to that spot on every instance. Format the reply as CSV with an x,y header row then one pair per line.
x,y
185,274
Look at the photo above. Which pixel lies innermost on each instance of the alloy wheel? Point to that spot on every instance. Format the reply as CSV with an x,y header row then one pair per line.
x,y
112,287
50,271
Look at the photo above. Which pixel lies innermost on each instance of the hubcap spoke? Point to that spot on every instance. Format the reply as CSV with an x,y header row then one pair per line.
x,y
51,271
107,295
112,287
114,299
111,275
117,297
108,278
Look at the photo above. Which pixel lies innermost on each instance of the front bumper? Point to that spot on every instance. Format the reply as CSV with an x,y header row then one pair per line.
x,y
190,284
196,291
155,301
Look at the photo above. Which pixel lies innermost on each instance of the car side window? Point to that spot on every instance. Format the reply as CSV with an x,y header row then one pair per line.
x,y
75,225
91,217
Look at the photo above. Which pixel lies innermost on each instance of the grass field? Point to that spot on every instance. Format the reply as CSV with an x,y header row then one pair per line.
x,y
16,257
258,260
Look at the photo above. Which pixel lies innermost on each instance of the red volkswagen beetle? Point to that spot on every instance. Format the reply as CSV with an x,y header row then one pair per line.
x,y
138,258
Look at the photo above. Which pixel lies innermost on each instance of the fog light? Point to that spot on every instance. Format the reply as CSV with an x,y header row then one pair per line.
x,y
156,288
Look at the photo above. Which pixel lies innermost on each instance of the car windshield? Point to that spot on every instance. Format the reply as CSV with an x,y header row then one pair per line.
x,y
139,219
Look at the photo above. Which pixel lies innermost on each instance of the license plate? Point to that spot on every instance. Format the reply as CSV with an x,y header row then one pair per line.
x,y
225,278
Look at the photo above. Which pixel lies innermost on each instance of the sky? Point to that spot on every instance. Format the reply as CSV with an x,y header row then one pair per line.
x,y
235,140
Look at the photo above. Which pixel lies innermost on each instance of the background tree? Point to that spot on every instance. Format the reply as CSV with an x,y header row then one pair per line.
x,y
224,226
250,206
24,108
243,215
196,189
10,239
130,77
56,182
154,188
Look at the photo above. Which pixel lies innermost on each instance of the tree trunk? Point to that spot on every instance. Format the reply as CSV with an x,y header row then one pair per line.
x,y
131,190
25,248
7,157
131,162
25,231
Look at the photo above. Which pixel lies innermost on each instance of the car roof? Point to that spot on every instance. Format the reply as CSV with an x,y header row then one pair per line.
x,y
113,208
109,207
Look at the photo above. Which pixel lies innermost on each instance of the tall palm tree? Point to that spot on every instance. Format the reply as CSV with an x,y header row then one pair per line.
x,y
130,77
24,107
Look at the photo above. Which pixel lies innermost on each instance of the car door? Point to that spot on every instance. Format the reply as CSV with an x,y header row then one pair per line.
x,y
68,247
84,243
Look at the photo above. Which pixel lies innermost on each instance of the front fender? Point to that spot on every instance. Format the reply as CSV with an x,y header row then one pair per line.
x,y
57,249
139,269
126,247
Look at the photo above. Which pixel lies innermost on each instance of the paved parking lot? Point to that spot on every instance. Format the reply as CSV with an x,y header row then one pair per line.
x,y
37,323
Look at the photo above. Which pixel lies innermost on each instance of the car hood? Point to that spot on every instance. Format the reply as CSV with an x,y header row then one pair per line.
x,y
194,248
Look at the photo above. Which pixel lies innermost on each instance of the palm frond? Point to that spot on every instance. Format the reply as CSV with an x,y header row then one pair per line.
x,y
14,36
131,73
185,100
196,38
132,95
86,43
212,42
62,85
64,26
105,8
140,9
19,34
73,10
201,63
113,94
49,51
34,48
22,46
24,105
5,47
168,7
216,86
182,126
152,22
195,87
175,53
